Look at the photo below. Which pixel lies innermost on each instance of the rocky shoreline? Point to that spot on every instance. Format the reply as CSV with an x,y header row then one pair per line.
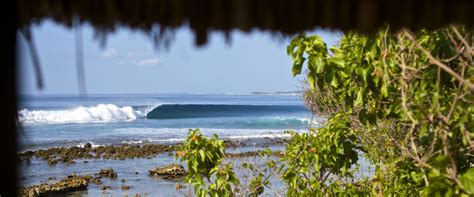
x,y
77,183
68,155
87,153
73,182
251,154
172,171
69,184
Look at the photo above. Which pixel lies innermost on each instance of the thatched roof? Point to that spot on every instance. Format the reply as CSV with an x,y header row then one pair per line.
x,y
278,16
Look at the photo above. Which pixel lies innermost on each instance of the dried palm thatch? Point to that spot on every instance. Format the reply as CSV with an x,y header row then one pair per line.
x,y
278,16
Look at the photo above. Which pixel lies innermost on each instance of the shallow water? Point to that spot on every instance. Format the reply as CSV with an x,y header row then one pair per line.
x,y
38,171
135,172
257,121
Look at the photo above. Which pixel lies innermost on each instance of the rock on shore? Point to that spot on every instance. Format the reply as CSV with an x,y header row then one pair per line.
x,y
72,183
67,155
110,173
69,184
172,171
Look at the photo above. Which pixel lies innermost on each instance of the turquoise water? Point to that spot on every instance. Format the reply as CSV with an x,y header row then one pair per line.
x,y
50,121
58,120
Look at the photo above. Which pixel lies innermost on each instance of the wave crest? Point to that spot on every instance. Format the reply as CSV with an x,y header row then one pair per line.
x,y
99,113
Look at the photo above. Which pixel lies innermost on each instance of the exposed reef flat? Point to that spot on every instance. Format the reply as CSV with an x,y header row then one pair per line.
x,y
125,169
118,152
276,153
75,182
172,171
69,184
68,155
61,187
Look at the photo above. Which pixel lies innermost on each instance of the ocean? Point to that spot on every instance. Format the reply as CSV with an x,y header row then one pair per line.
x,y
62,120
66,121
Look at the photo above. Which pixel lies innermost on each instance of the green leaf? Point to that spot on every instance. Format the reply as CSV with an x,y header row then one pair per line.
x,y
384,90
335,50
311,80
339,62
297,66
467,180
373,51
364,74
359,98
342,74
334,82
203,155
440,161
423,131
434,173
195,166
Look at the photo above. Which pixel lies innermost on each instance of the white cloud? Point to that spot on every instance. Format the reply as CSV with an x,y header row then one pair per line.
x,y
109,53
149,62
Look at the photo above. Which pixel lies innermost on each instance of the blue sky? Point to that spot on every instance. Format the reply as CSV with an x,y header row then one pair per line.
x,y
129,63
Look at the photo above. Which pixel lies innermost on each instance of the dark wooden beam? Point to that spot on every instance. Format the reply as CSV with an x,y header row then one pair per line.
x,y
8,144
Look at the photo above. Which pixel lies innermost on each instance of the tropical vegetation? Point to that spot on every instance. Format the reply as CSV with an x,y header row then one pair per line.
x,y
403,101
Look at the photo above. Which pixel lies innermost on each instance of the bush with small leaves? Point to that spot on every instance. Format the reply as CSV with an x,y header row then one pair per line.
x,y
317,161
261,172
203,159
409,98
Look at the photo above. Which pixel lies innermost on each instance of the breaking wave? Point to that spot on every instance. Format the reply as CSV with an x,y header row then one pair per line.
x,y
111,113
99,113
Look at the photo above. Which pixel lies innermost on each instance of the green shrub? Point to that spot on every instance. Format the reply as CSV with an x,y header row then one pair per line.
x,y
403,100
260,173
409,98
315,162
203,159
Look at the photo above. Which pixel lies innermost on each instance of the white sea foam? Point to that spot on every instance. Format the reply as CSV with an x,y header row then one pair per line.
x,y
231,137
257,136
179,134
99,113
93,145
167,140
133,142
